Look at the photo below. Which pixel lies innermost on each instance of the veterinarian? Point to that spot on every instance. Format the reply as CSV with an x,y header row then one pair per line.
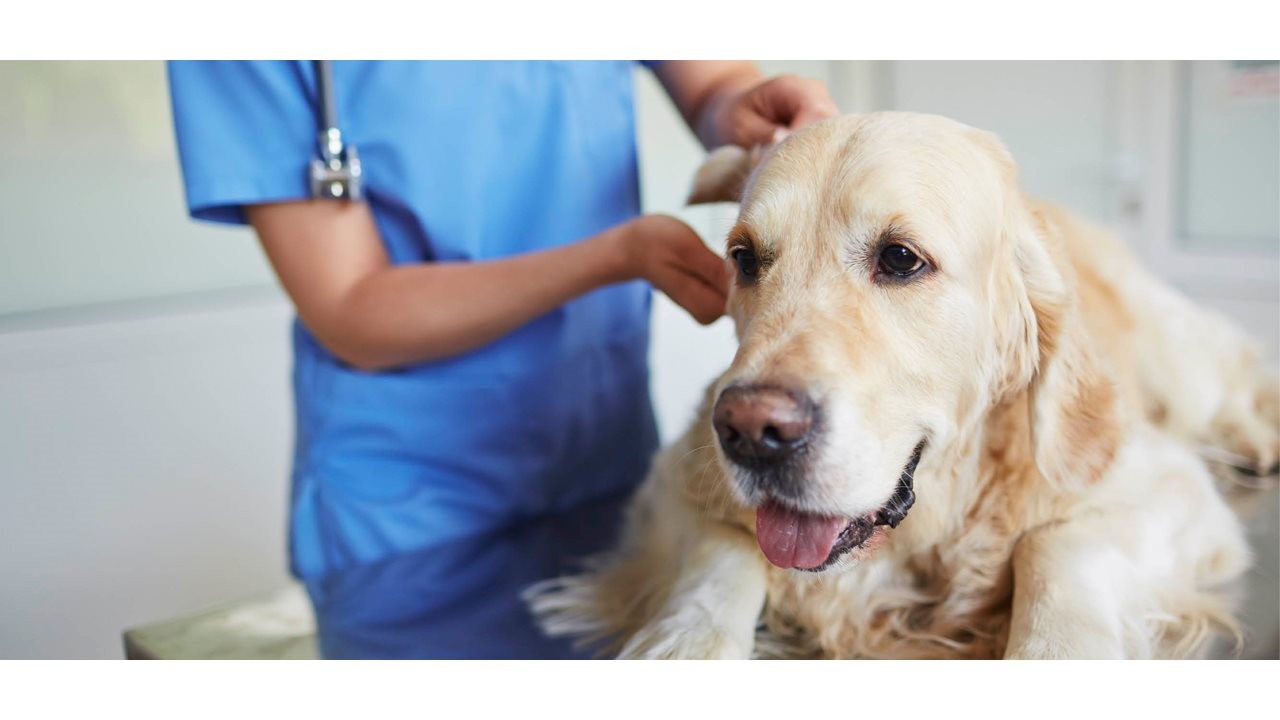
x,y
472,335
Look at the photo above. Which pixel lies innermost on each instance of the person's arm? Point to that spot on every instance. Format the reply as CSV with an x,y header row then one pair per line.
x,y
375,315
730,102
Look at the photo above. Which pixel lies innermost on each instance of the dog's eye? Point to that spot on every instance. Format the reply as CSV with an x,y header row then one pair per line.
x,y
900,261
748,263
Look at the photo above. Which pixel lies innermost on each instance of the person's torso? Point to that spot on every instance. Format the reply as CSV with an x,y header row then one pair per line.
x,y
473,161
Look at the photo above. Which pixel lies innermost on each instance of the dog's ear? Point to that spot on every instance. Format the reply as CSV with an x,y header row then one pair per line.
x,y
1075,419
723,175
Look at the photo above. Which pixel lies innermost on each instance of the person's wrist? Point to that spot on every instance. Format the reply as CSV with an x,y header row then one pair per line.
x,y
723,124
712,125
619,260
717,123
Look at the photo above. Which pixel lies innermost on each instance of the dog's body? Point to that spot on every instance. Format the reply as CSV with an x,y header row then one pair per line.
x,y
1054,393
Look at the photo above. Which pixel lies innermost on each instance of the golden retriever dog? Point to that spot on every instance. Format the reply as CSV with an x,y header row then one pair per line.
x,y
961,423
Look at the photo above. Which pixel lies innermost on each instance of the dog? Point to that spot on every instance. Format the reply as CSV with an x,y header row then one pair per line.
x,y
960,423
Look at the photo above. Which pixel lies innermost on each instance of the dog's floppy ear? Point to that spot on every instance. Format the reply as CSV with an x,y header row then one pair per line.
x,y
1075,419
723,175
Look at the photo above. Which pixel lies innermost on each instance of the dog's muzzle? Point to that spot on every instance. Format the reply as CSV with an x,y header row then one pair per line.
x,y
793,538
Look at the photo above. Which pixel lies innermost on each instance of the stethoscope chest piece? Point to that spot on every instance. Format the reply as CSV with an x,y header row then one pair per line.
x,y
335,174
335,171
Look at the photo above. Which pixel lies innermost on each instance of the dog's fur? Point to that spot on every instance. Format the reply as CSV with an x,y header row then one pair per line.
x,y
1061,391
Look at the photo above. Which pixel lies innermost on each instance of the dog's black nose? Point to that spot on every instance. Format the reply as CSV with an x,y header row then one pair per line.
x,y
763,425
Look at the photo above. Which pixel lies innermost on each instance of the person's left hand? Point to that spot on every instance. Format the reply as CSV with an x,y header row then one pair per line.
x,y
768,111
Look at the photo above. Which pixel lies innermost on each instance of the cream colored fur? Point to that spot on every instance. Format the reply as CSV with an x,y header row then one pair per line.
x,y
1062,390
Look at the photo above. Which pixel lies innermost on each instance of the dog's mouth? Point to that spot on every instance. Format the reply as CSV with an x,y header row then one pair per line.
x,y
791,538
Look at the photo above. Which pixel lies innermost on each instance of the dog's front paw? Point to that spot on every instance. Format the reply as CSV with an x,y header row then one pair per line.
x,y
1248,427
681,638
1078,648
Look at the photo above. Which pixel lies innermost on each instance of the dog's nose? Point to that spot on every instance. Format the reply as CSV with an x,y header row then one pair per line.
x,y
762,426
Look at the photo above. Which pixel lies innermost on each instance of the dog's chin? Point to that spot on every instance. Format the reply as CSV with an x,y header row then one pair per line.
x,y
798,539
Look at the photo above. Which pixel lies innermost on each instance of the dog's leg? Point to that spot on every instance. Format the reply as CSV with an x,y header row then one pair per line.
x,y
1230,400
1146,569
714,603
681,584
684,582
1066,596
1198,375
1202,378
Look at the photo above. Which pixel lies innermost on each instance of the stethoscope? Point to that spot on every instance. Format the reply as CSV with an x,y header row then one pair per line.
x,y
335,171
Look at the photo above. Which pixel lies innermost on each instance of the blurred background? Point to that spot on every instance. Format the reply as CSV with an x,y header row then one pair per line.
x,y
145,423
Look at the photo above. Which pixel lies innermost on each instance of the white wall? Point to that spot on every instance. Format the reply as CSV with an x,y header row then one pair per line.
x,y
144,427
89,194
142,468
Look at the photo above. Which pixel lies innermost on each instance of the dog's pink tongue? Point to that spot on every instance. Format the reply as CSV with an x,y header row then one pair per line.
x,y
792,539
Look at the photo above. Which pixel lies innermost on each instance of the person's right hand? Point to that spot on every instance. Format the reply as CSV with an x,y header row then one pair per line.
x,y
672,257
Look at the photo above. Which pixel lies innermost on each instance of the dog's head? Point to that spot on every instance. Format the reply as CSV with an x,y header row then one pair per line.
x,y
891,284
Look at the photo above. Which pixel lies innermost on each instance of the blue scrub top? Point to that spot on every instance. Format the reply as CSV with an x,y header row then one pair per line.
x,y
462,161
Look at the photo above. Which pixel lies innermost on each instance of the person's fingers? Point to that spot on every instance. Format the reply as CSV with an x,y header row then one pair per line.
x,y
685,269
670,227
714,280
752,127
699,299
792,102
707,266
815,111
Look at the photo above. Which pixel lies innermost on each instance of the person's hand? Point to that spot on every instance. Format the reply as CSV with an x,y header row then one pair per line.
x,y
767,112
671,256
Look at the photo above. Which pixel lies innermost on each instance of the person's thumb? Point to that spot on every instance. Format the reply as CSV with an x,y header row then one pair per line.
x,y
813,112
752,128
